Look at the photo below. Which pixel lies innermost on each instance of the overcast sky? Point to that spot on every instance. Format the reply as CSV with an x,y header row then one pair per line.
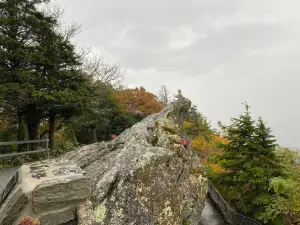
x,y
220,53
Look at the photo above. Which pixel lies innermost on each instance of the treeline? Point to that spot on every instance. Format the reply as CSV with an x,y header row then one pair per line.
x,y
48,89
256,176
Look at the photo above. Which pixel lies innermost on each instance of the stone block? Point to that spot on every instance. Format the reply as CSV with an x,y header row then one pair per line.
x,y
58,217
60,192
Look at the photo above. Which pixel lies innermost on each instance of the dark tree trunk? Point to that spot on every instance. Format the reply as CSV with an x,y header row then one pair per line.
x,y
21,133
51,124
60,126
33,133
33,119
94,136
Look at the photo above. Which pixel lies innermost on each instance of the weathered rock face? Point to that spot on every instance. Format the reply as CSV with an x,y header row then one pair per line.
x,y
144,176
48,191
60,192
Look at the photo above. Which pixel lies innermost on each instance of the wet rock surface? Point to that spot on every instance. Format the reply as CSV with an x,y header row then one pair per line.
x,y
210,215
5,176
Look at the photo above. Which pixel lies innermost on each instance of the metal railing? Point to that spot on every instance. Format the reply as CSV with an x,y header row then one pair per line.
x,y
230,215
25,152
16,177
9,187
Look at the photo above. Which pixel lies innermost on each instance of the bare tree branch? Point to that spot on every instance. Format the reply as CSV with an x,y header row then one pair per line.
x,y
164,95
53,10
100,70
70,30
83,52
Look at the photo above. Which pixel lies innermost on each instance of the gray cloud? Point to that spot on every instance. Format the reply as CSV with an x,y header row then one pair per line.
x,y
218,52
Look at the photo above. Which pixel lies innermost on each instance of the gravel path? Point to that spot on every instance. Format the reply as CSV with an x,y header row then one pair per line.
x,y
210,216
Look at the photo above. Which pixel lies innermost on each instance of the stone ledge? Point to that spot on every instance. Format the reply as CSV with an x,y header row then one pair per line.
x,y
58,217
60,192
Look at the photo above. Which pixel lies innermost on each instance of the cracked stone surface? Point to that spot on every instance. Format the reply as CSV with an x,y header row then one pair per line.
x,y
68,170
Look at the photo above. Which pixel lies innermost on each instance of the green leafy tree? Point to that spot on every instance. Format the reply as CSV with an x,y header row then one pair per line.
x,y
102,118
64,90
280,205
20,26
41,77
251,163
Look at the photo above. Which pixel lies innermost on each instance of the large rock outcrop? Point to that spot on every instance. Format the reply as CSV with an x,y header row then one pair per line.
x,y
144,176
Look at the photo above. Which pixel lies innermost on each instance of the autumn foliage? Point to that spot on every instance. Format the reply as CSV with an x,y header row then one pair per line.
x,y
208,146
29,221
138,101
215,168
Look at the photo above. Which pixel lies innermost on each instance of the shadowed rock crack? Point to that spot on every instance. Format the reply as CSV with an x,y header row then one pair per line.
x,y
112,187
179,176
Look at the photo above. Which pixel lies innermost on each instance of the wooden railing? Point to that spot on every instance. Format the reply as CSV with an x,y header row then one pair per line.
x,y
15,178
46,149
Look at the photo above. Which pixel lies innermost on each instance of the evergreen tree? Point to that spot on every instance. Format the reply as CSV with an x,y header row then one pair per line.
x,y
63,91
103,117
39,68
250,161
20,25
266,166
181,112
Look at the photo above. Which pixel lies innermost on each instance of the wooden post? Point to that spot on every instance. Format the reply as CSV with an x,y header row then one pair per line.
x,y
47,146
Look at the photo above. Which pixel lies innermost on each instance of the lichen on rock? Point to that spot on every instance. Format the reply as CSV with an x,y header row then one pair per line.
x,y
144,176
100,213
